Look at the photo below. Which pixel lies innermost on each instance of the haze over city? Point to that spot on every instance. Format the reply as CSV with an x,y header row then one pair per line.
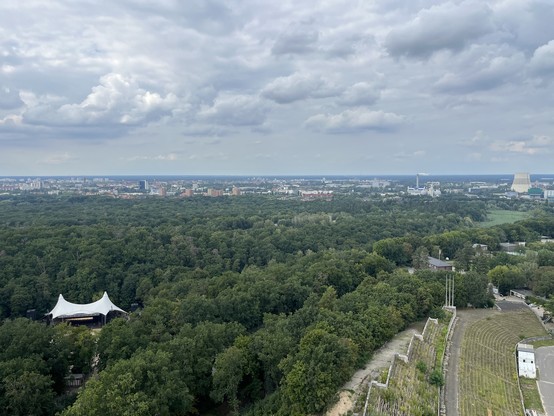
x,y
219,87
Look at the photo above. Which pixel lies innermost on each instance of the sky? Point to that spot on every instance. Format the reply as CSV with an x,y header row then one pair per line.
x,y
245,87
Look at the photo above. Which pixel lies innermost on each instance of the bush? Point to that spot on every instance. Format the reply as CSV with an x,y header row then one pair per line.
x,y
422,367
436,378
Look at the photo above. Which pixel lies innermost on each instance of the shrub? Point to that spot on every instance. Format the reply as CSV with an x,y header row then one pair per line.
x,y
436,378
421,366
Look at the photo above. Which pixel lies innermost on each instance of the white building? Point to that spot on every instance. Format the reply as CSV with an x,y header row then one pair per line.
x,y
526,361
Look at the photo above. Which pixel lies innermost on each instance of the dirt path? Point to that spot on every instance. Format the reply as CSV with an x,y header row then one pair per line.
x,y
380,360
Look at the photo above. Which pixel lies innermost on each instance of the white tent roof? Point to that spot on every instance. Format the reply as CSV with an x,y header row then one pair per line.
x,y
65,309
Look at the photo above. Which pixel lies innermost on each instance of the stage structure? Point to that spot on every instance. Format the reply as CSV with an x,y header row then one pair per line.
x,y
95,313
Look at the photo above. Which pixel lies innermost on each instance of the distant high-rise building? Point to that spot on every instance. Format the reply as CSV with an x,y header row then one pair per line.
x,y
522,182
235,191
143,185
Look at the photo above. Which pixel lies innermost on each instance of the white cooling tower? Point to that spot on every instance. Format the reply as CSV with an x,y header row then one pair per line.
x,y
522,182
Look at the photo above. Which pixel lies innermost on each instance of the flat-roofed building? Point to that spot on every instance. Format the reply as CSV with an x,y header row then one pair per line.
x,y
526,361
436,264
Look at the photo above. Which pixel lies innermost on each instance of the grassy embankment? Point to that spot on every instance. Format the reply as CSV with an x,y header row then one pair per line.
x,y
488,373
502,216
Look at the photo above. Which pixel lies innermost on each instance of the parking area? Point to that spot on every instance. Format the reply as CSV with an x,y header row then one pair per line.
x,y
545,363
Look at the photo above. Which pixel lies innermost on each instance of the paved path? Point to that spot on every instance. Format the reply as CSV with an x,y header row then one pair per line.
x,y
380,360
545,363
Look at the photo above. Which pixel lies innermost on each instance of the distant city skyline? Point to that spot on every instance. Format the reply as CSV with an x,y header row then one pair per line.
x,y
213,87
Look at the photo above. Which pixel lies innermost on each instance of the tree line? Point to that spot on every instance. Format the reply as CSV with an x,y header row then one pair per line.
x,y
248,305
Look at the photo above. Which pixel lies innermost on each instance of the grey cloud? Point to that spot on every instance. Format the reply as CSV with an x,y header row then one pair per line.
x,y
9,99
201,70
206,16
234,110
525,24
296,40
447,26
298,87
361,93
481,72
352,121
345,46
205,131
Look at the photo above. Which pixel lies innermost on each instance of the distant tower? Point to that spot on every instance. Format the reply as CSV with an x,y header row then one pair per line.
x,y
143,185
522,182
449,292
417,181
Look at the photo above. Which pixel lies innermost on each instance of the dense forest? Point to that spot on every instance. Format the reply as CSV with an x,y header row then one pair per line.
x,y
250,305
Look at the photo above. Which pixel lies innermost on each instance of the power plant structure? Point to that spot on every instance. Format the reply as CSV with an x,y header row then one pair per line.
x,y
522,182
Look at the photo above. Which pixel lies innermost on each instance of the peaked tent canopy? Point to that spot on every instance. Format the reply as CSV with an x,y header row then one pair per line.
x,y
65,309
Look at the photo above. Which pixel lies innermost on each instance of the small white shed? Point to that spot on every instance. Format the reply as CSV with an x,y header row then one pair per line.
x,y
526,361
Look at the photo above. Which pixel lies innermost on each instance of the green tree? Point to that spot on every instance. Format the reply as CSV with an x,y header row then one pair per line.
x,y
420,259
395,250
543,284
28,393
323,362
229,370
506,278
146,384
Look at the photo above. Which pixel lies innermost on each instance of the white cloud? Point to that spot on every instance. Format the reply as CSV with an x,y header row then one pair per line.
x,y
58,159
542,62
533,146
479,139
116,100
297,87
166,157
356,120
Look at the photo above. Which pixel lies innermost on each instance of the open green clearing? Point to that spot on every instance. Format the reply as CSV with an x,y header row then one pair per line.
x,y
488,373
503,216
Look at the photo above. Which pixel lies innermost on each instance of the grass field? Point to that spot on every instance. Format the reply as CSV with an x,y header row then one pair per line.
x,y
488,382
502,216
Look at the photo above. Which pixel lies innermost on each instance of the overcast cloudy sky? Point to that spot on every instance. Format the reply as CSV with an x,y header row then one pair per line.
x,y
96,87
